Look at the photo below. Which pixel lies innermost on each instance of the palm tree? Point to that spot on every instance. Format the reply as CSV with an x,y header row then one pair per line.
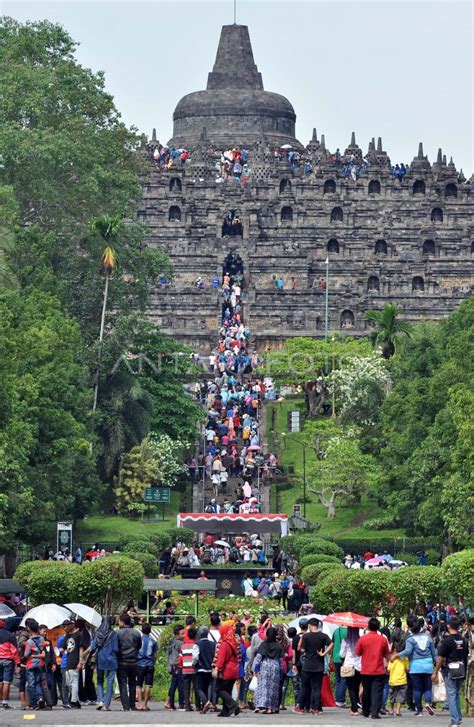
x,y
389,328
107,226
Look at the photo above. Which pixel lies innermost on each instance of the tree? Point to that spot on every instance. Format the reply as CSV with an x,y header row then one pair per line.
x,y
426,431
341,469
457,573
47,471
390,328
361,386
156,461
309,362
108,228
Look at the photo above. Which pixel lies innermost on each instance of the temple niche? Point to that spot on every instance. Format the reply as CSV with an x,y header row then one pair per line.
x,y
239,192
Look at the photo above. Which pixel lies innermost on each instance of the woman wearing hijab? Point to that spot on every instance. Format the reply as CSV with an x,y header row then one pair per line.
x,y
267,665
287,662
105,642
226,670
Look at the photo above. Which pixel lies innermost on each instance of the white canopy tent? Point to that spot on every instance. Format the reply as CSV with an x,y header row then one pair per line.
x,y
234,522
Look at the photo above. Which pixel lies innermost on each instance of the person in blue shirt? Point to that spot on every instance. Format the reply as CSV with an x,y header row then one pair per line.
x,y
105,642
146,667
61,646
420,649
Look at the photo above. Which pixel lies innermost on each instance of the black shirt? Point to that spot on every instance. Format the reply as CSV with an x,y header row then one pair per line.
x,y
72,644
312,643
453,648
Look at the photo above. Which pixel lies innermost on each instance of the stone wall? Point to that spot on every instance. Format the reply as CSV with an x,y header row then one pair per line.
x,y
394,243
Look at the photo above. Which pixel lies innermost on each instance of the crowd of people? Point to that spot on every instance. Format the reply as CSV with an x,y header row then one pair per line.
x,y
233,166
165,158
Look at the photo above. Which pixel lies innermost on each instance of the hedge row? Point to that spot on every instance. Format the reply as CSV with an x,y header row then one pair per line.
x,y
391,593
106,584
377,544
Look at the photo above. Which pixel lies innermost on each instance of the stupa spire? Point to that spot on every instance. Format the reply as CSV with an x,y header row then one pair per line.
x,y
234,66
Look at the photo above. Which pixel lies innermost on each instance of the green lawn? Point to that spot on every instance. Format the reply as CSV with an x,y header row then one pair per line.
x,y
349,519
110,528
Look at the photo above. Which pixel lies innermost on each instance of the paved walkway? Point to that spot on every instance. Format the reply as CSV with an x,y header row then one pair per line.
x,y
159,716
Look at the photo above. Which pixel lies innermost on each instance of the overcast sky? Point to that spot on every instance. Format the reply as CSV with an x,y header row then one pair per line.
x,y
400,69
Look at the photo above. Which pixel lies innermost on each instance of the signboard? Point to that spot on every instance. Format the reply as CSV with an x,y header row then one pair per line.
x,y
294,422
157,494
64,536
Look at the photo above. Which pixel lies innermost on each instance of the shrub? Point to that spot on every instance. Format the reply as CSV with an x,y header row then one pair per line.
x,y
141,546
408,586
383,522
351,590
184,535
149,563
378,543
313,558
458,570
108,583
319,545
26,570
54,583
312,574
409,558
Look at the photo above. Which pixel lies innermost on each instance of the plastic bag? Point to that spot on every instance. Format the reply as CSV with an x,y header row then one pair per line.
x,y
439,689
253,684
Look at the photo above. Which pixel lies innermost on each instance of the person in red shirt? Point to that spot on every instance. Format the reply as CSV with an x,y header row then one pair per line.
x,y
374,650
368,555
226,669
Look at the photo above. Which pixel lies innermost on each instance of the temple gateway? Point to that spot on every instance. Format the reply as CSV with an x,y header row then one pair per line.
x,y
235,189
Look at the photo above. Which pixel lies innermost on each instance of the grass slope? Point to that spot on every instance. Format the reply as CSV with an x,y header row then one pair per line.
x,y
110,528
349,518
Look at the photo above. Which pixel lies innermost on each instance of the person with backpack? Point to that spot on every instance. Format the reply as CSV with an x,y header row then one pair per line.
x,y
203,655
452,661
173,653
146,667
129,642
34,659
420,649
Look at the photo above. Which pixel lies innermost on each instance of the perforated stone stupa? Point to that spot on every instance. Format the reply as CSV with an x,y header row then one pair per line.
x,y
406,239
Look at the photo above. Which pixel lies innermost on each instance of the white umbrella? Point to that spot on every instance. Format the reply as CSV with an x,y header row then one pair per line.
x,y
49,614
86,612
327,628
6,611
286,146
222,543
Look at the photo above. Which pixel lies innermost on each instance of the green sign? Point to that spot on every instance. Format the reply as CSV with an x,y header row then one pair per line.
x,y
157,494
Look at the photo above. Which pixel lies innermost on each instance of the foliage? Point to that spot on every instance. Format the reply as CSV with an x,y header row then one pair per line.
x,y
108,583
313,558
308,363
360,386
144,546
386,593
156,461
312,574
54,584
390,328
382,522
47,470
156,542
319,545
147,560
341,469
425,448
29,568
458,570
379,543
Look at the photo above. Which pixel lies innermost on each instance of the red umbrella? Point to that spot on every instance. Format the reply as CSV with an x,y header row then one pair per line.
x,y
347,618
